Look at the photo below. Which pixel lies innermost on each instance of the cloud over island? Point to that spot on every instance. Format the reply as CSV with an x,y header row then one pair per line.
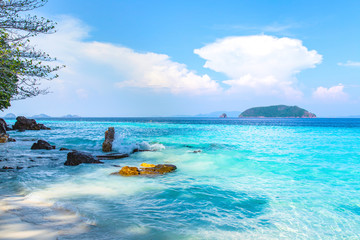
x,y
261,63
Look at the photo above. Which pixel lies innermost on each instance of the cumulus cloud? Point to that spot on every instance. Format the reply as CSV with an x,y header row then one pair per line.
x,y
150,70
350,64
123,66
263,63
331,93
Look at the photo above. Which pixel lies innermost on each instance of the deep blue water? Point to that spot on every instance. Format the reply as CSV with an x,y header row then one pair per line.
x,y
254,178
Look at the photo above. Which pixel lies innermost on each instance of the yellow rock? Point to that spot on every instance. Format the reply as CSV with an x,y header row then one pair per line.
x,y
147,165
129,171
4,138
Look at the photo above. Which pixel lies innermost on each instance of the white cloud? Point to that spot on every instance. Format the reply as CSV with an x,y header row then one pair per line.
x,y
350,64
150,70
126,67
263,63
333,93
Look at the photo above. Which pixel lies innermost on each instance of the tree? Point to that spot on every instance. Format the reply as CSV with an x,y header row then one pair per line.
x,y
22,66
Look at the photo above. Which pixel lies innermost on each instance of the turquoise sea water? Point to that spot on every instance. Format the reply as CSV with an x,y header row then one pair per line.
x,y
254,179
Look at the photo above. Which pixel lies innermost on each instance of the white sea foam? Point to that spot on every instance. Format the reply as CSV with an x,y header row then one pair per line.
x,y
123,146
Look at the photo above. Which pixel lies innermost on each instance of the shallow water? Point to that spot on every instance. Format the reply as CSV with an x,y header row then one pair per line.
x,y
254,179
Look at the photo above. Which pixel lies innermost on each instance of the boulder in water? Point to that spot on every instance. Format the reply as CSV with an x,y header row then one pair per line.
x,y
158,169
109,138
22,123
4,138
41,144
146,165
75,158
112,156
129,171
3,126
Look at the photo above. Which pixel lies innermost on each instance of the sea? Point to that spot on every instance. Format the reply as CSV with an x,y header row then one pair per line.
x,y
261,178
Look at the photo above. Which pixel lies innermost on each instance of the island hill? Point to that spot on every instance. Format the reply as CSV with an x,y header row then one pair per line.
x,y
278,111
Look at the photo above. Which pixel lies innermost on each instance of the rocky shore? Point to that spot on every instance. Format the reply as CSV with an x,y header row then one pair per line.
x,y
76,157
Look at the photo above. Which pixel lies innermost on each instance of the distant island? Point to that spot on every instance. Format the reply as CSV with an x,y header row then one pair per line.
x,y
278,111
71,116
10,116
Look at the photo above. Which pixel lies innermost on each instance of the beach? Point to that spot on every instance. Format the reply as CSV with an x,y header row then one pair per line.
x,y
235,179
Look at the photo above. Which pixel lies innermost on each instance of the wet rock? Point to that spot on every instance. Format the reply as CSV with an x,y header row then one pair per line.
x,y
41,144
3,126
197,151
112,156
129,171
7,168
11,140
146,165
115,165
109,138
22,123
64,149
75,158
139,150
18,168
158,169
4,138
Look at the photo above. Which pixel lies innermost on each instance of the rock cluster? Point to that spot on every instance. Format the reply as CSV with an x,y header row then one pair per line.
x,y
109,138
22,123
41,144
75,158
147,169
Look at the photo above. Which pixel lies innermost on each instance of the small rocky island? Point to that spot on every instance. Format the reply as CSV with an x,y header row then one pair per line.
x,y
278,111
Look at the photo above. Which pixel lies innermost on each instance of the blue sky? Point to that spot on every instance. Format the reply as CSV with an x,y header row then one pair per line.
x,y
163,58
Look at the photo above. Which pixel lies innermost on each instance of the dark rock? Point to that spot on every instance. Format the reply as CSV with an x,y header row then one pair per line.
x,y
223,115
3,126
158,169
6,168
18,168
41,144
197,151
139,150
75,158
64,149
116,165
109,138
112,156
129,171
22,123
11,140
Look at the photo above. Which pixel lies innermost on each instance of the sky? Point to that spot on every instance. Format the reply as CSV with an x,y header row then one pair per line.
x,y
164,58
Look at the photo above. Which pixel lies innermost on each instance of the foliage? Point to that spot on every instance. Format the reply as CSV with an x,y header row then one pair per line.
x,y
22,66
